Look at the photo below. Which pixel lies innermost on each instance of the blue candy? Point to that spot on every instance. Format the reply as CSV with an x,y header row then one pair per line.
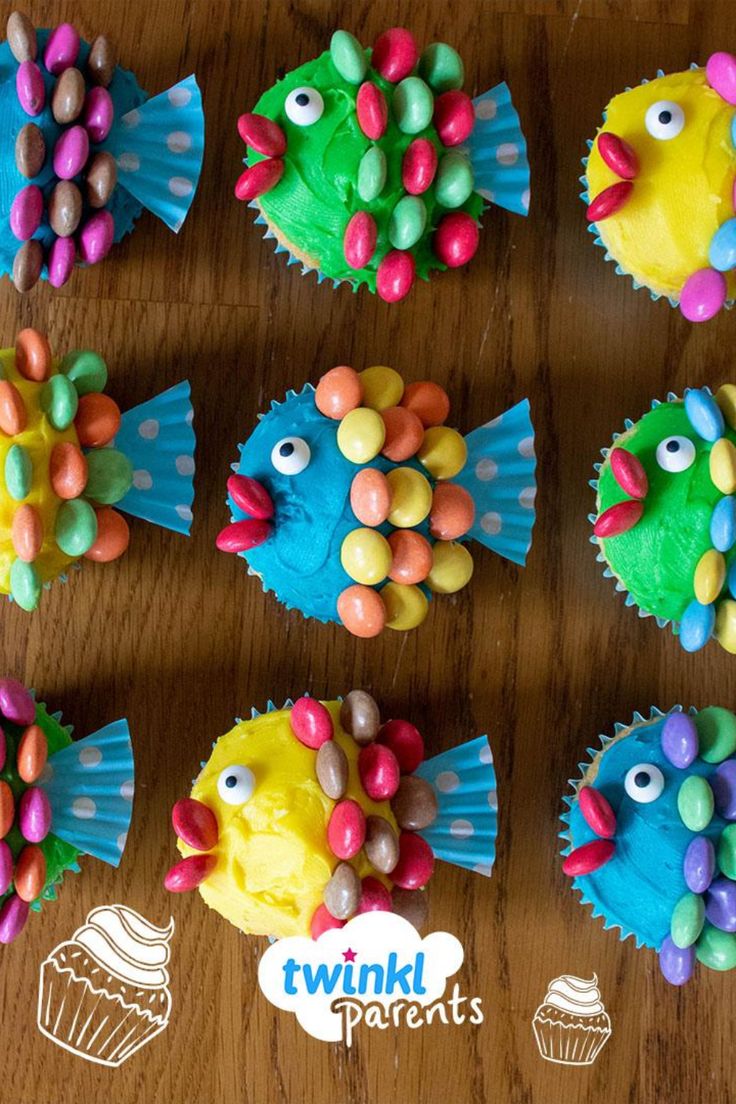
x,y
723,524
722,251
704,415
731,579
696,627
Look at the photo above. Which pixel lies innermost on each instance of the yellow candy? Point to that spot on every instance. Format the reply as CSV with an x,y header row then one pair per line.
x,y
710,575
406,606
726,399
725,631
366,556
443,452
411,497
360,435
723,466
452,567
382,387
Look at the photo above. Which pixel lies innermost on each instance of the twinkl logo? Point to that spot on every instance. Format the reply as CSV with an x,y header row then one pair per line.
x,y
377,972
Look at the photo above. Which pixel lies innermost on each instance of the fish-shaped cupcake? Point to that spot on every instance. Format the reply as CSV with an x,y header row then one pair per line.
x,y
651,835
308,815
352,502
373,167
665,521
83,150
659,186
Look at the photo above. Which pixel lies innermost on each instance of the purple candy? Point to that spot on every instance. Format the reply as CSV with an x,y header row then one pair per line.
x,y
720,904
723,784
62,255
676,964
34,814
16,702
700,864
30,89
703,295
13,916
96,236
71,152
26,212
6,867
98,114
62,49
680,740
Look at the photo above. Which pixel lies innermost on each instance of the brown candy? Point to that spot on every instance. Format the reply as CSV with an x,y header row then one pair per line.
x,y
27,265
102,176
332,769
412,904
30,150
65,208
414,804
359,715
21,36
381,844
342,892
67,99
101,61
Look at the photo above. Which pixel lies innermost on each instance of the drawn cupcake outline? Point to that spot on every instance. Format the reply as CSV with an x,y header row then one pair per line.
x,y
571,1025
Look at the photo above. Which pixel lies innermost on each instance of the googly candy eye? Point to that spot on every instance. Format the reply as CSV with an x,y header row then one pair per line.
x,y
664,120
675,454
236,785
290,455
644,783
304,106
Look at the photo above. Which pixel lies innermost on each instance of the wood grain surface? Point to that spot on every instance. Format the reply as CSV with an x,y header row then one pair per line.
x,y
177,638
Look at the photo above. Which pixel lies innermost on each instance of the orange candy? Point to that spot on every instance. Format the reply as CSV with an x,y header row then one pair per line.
x,y
30,872
404,433
13,416
428,401
32,355
113,536
412,556
362,611
67,470
370,497
32,753
7,808
338,392
27,533
97,420
452,513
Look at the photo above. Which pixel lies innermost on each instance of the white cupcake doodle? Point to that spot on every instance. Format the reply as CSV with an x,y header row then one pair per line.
x,y
571,1025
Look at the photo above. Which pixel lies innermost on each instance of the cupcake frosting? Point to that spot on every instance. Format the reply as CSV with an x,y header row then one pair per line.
x,y
127,945
575,996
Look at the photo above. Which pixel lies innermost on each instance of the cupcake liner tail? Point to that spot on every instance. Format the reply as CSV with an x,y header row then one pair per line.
x,y
499,476
464,781
158,439
158,148
89,784
498,154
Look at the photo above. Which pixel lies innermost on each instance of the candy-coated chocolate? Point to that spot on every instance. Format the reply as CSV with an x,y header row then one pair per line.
x,y
13,414
365,555
676,965
16,702
404,433
360,435
589,857
428,401
59,401
454,117
113,536
720,904
609,201
372,110
416,862
26,212
703,295
262,134
13,917
372,174
3,749
370,496
723,524
21,36
71,152
67,99
34,814
699,864
323,921
441,67
76,527
258,179
383,387
381,844
18,472
720,70
62,258
27,265
408,222
311,722
374,896
716,949
697,625
97,420
414,804
25,584
717,733
726,399
30,150
250,496
722,248
394,54
379,771
331,766
411,497
342,892
723,784
411,556
726,852
67,470
86,369
7,808
30,873
32,754
101,178
618,518
348,57
456,239
723,466
359,242
65,208
102,61
452,567
688,917
195,824
413,105
395,276
32,355
189,873
695,803
620,157
412,905
406,606
96,237
360,716
597,811
27,532
443,452
62,49
454,179
406,742
346,829
452,513
6,867
418,166
628,471
30,88
338,392
361,610
710,575
680,740
704,414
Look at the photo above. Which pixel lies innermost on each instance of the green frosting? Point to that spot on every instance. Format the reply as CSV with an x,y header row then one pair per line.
x,y
310,207
656,560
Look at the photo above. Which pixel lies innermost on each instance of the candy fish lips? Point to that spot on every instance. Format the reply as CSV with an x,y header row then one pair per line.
x,y
196,826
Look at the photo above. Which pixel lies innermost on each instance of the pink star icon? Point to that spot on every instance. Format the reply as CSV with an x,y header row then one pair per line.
x,y
349,955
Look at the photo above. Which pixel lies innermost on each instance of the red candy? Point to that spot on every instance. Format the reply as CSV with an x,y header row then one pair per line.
x,y
609,201
591,856
240,536
359,241
416,862
619,519
189,873
30,872
629,473
454,117
418,166
456,239
7,808
346,829
394,54
372,110
597,812
323,921
374,897
379,771
262,134
311,723
406,742
259,179
395,276
618,155
195,824
250,496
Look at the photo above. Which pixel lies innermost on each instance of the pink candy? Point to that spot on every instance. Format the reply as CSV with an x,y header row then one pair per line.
x,y
3,749
71,152
34,814
394,54
323,921
195,824
416,862
591,856
240,536
250,496
26,212
13,916
454,117
395,276
720,69
609,201
619,518
629,473
96,237
406,742
61,259
6,867
311,722
62,49
618,155
259,179
346,829
456,239
30,88
597,811
359,241
703,295
262,134
419,166
374,897
379,772
372,110
189,873
16,702
98,113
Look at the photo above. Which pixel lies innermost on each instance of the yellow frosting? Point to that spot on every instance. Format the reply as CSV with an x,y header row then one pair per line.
x,y
684,189
273,861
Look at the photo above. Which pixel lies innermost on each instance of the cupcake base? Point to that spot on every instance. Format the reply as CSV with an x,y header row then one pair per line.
x,y
567,1039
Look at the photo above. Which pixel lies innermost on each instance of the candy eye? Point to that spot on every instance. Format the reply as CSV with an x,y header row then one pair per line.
x,y
664,120
236,784
644,783
304,106
290,455
675,454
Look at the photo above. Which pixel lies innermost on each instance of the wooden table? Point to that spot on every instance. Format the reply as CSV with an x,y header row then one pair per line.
x,y
177,638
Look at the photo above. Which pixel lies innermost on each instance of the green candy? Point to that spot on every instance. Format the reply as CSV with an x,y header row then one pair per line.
x,y
726,853
59,401
407,223
716,733
110,475
688,917
76,527
413,105
442,67
716,949
86,370
371,174
25,584
695,803
454,179
348,57
18,472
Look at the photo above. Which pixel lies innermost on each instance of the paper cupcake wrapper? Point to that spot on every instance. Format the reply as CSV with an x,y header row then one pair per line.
x,y
158,439
158,148
89,784
499,476
497,149
465,830
569,1044
291,258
